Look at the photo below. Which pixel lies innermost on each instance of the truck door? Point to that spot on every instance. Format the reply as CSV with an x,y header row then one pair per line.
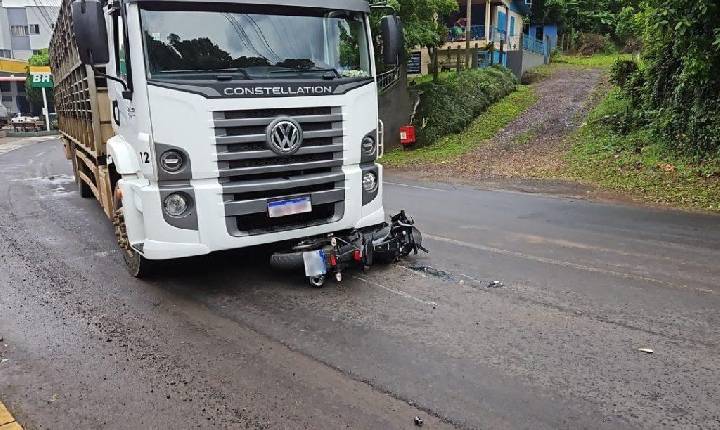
x,y
123,107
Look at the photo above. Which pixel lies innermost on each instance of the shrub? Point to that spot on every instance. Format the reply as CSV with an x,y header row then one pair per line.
x,y
681,69
451,105
622,71
591,44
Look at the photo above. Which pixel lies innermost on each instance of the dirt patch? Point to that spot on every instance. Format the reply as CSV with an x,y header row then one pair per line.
x,y
534,144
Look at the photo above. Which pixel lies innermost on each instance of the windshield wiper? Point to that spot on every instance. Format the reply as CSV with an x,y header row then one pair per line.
x,y
218,72
329,73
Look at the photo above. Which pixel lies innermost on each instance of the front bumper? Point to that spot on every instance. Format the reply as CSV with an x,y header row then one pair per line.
x,y
151,234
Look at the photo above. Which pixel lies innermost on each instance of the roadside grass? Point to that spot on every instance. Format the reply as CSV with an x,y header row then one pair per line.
x,y
638,164
593,61
561,61
426,79
484,127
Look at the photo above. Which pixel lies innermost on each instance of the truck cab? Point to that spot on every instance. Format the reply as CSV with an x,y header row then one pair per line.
x,y
238,123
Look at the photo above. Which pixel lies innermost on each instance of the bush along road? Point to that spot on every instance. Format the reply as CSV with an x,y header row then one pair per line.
x,y
567,133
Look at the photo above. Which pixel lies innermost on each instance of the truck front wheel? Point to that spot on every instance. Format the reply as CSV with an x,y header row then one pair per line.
x,y
137,265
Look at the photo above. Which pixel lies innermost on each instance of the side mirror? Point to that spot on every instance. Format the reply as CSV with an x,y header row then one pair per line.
x,y
392,36
90,32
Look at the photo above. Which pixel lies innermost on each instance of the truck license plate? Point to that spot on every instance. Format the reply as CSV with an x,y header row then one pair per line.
x,y
281,208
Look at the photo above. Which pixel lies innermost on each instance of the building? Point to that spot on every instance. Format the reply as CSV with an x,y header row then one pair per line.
x,y
12,86
491,21
545,32
499,24
25,28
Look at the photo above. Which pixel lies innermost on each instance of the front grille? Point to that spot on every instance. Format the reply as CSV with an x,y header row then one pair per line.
x,y
251,174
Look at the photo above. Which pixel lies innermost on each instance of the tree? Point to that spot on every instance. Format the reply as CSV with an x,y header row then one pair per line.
x,y
422,21
575,17
34,95
680,78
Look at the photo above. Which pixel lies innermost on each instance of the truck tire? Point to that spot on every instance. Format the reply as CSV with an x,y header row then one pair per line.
x,y
137,265
287,261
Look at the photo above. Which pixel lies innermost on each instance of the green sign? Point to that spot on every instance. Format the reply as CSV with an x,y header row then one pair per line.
x,y
41,80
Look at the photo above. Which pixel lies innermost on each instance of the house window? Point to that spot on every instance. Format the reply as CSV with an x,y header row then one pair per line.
x,y
7,99
34,28
38,51
4,87
19,30
5,53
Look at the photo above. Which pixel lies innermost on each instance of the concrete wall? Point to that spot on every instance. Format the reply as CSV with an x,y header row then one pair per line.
x,y
515,62
530,60
395,107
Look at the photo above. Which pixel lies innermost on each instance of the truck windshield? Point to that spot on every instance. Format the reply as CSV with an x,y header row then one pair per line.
x,y
277,43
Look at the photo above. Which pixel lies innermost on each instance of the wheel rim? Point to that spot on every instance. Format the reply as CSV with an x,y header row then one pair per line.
x,y
317,281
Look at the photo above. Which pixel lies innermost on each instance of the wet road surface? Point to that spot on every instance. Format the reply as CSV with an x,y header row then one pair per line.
x,y
224,342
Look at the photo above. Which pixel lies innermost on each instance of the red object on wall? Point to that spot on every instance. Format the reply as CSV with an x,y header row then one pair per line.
x,y
407,135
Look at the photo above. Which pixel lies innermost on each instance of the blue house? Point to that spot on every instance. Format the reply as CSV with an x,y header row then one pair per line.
x,y
548,33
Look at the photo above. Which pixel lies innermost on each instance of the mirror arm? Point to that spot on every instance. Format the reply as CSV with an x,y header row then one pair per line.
x,y
127,94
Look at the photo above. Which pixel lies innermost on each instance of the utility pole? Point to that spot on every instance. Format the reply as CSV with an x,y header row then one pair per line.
x,y
45,110
468,32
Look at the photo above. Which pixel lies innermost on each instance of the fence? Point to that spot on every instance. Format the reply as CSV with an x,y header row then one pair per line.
x,y
387,80
534,45
455,58
457,34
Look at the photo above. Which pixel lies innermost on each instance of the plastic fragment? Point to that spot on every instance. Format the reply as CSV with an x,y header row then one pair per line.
x,y
646,350
419,421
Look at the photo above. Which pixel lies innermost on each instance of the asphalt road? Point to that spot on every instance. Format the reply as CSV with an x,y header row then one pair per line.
x,y
224,342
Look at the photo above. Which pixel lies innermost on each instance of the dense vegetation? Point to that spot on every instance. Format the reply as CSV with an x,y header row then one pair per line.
x,y
420,20
673,87
450,105
633,160
591,26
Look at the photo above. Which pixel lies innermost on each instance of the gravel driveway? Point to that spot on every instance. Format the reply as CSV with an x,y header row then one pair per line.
x,y
533,144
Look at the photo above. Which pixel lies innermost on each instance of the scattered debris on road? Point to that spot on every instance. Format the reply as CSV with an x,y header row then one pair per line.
x,y
428,270
419,421
495,284
646,350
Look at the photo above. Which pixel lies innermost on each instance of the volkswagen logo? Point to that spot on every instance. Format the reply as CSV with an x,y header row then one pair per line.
x,y
284,136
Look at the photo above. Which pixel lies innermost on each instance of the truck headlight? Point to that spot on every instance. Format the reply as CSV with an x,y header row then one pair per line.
x,y
370,182
172,161
368,145
177,205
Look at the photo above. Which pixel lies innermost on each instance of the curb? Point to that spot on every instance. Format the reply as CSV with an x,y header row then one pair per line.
x,y
7,421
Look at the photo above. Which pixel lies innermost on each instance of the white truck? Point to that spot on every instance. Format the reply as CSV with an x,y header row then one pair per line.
x,y
204,125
